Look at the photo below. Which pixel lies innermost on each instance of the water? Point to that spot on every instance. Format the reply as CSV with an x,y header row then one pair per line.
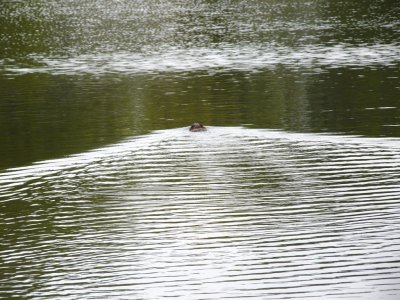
x,y
292,193
229,213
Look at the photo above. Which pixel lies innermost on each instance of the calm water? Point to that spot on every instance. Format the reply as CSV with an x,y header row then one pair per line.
x,y
292,193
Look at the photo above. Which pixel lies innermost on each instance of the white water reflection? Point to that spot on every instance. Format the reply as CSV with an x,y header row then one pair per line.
x,y
222,58
230,213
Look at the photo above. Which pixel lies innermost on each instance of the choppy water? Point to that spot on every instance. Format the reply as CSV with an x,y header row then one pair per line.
x,y
154,36
229,213
237,59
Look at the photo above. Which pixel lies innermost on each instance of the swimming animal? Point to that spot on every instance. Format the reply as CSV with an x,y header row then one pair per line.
x,y
196,127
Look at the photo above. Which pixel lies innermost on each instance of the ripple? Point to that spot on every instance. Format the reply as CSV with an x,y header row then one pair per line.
x,y
247,58
231,213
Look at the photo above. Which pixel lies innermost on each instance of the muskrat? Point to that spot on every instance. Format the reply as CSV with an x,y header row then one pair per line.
x,y
197,127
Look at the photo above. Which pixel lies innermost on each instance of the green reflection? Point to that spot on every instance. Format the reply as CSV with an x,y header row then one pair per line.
x,y
356,101
44,116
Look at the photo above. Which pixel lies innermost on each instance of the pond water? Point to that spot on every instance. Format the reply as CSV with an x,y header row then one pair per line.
x,y
293,192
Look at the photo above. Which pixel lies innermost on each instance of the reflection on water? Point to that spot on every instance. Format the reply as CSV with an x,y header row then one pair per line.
x,y
77,75
44,116
66,37
74,27
227,213
236,212
238,58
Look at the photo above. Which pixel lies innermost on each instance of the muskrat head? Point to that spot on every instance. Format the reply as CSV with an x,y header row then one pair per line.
x,y
197,127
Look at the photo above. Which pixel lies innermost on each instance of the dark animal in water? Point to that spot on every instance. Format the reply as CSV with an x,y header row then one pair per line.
x,y
197,127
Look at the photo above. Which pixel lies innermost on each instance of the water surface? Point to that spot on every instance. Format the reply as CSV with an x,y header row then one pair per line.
x,y
292,193
228,213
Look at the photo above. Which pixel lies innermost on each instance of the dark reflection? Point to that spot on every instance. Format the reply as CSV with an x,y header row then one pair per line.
x,y
356,101
46,117
43,116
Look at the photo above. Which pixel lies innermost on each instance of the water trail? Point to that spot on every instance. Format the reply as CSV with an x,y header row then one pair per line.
x,y
229,213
